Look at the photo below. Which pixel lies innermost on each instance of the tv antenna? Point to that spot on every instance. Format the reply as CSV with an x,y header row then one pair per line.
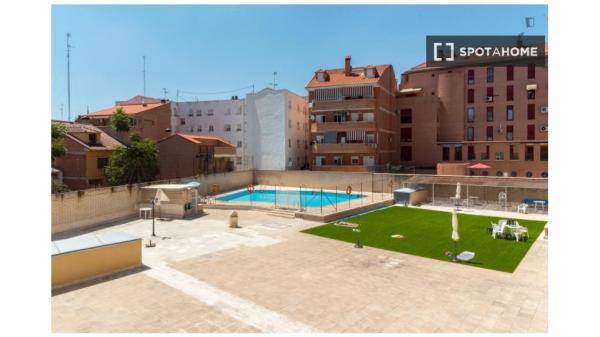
x,y
144,72
165,92
61,112
69,76
274,83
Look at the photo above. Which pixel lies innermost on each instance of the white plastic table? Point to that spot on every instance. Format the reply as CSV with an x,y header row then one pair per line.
x,y
146,211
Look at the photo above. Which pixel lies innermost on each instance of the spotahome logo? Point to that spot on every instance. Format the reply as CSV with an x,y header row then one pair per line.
x,y
516,50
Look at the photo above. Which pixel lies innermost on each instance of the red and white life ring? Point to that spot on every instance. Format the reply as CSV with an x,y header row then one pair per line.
x,y
349,190
250,188
214,188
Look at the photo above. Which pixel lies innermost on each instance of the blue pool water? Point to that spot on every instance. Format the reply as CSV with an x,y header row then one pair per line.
x,y
292,198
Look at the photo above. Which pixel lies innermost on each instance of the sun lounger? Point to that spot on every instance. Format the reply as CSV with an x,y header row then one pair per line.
x,y
465,256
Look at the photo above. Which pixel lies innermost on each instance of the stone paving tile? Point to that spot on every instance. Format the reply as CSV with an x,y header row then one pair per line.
x,y
335,288
325,284
136,303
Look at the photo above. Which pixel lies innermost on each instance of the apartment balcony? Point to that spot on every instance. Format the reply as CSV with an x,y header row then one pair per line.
x,y
341,148
344,105
343,168
342,126
224,151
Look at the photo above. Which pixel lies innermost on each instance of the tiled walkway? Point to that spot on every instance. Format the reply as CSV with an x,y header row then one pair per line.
x,y
269,277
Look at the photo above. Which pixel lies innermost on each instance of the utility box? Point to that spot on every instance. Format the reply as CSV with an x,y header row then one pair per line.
x,y
410,196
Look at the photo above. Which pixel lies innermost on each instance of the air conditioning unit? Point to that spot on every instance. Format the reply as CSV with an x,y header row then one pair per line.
x,y
489,98
310,105
544,128
544,109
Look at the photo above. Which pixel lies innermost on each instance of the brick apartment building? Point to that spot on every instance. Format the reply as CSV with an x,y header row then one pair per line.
x,y
87,153
184,155
150,117
353,116
492,113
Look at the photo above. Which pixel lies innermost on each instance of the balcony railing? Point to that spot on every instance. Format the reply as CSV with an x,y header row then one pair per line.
x,y
342,126
349,104
338,148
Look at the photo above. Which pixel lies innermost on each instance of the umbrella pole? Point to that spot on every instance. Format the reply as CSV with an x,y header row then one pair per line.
x,y
153,218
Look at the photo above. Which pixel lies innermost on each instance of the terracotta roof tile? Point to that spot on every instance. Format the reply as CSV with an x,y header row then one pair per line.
x,y
105,142
338,77
130,109
198,138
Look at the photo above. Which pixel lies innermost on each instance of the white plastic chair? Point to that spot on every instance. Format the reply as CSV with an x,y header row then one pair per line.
x,y
522,208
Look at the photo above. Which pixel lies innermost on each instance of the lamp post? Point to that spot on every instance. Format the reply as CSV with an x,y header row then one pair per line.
x,y
153,202
357,231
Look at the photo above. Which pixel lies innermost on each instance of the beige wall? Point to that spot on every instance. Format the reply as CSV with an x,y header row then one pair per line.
x,y
80,209
79,266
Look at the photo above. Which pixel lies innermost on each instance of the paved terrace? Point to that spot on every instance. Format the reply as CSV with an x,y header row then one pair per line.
x,y
268,277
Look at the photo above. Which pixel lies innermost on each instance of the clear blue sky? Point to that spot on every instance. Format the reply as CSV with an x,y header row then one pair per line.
x,y
217,48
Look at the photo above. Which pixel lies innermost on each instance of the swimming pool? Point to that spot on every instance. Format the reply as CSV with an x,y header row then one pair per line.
x,y
290,198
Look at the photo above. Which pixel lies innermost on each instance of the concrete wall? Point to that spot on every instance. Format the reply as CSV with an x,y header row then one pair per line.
x,y
80,209
87,264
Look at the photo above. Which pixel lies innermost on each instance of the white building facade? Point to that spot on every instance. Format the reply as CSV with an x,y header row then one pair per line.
x,y
269,128
277,137
221,118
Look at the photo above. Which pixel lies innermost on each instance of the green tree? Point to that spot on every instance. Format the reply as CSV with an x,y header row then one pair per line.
x,y
134,164
58,140
120,121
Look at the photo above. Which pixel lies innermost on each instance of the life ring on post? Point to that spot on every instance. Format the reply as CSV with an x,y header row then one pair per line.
x,y
349,190
214,188
250,188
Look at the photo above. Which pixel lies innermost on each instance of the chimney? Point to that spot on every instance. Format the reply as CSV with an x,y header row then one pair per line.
x,y
347,66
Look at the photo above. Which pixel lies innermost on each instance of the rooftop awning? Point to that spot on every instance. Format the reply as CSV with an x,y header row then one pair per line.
x,y
531,87
410,90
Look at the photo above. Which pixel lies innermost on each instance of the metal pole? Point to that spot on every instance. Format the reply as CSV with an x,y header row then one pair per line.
x,y
335,197
153,218
505,197
321,200
68,77
361,193
433,195
300,196
468,195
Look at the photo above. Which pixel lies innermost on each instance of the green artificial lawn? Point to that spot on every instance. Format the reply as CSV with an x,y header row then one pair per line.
x,y
427,233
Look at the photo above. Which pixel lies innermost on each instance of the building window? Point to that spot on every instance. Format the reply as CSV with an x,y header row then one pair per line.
x,y
529,152
530,111
182,121
509,132
458,152
531,70
531,132
470,115
227,127
191,128
406,116
513,153
405,153
490,74
445,152
510,115
320,160
210,112
510,92
101,163
238,127
354,160
510,73
289,123
471,96
289,143
486,155
191,112
531,94
471,76
490,114
289,104
92,138
211,128
405,134
489,133
199,128
490,94
199,112
544,153
239,144
470,133
499,155
238,160
298,126
337,160
470,152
